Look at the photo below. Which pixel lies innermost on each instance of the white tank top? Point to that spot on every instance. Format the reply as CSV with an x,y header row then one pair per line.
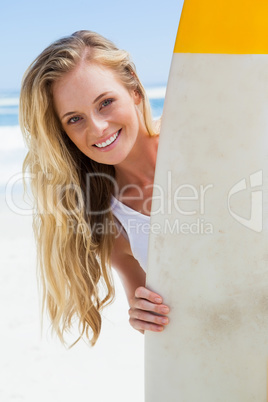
x,y
137,227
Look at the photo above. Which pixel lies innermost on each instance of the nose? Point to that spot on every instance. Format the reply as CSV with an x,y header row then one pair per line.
x,y
96,128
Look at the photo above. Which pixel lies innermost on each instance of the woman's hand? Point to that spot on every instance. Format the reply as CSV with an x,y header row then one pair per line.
x,y
147,311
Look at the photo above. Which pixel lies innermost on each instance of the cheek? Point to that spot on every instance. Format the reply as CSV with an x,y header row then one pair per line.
x,y
76,133
132,117
77,142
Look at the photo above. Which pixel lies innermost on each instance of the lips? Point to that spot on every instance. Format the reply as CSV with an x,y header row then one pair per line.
x,y
106,142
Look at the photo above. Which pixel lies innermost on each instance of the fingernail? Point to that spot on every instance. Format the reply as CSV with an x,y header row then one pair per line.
x,y
164,320
158,300
165,310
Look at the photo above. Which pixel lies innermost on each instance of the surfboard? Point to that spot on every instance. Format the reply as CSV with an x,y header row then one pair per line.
x,y
208,244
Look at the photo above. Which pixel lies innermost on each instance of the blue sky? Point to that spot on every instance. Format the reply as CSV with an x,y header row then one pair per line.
x,y
146,28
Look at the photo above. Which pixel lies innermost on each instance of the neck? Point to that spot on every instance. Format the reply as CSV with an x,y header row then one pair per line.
x,y
139,167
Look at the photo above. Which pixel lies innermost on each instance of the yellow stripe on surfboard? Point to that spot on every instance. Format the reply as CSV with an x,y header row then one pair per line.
x,y
223,26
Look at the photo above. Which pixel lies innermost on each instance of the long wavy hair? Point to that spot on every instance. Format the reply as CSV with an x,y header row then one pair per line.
x,y
73,223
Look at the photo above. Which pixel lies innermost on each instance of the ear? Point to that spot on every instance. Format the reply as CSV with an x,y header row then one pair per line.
x,y
136,96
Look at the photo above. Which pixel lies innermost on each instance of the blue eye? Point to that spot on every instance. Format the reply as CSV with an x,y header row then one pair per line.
x,y
106,102
73,120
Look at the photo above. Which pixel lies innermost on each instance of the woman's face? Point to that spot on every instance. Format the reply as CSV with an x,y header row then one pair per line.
x,y
97,112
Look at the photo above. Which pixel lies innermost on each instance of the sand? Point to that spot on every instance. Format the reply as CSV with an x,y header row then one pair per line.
x,y
35,368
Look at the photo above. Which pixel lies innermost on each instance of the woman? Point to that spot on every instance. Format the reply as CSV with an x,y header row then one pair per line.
x,y
87,123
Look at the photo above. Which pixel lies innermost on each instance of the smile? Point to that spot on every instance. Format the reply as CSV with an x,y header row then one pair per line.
x,y
109,141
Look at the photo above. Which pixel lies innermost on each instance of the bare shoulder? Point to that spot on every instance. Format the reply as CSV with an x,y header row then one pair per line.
x,y
122,258
121,248
157,125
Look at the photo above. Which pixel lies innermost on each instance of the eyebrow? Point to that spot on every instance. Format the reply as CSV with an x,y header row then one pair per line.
x,y
95,101
100,96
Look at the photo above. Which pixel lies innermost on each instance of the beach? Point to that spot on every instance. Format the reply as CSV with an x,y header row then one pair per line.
x,y
37,367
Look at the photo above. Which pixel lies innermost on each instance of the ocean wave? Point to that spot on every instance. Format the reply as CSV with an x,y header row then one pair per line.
x,y
152,92
156,92
8,111
11,138
11,166
9,101
12,153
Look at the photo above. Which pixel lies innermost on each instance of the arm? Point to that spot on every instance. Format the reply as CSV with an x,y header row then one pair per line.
x,y
146,309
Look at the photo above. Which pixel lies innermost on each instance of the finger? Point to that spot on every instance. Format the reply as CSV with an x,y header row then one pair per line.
x,y
143,304
148,317
145,326
145,293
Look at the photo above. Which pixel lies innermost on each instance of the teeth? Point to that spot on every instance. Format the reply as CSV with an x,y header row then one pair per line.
x,y
109,141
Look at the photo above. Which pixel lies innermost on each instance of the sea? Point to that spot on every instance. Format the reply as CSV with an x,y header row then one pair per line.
x,y
12,147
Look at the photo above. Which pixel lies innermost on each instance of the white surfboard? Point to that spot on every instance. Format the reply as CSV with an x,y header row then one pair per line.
x,y
208,248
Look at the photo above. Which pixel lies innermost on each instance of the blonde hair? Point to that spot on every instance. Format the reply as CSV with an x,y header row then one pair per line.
x,y
74,257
